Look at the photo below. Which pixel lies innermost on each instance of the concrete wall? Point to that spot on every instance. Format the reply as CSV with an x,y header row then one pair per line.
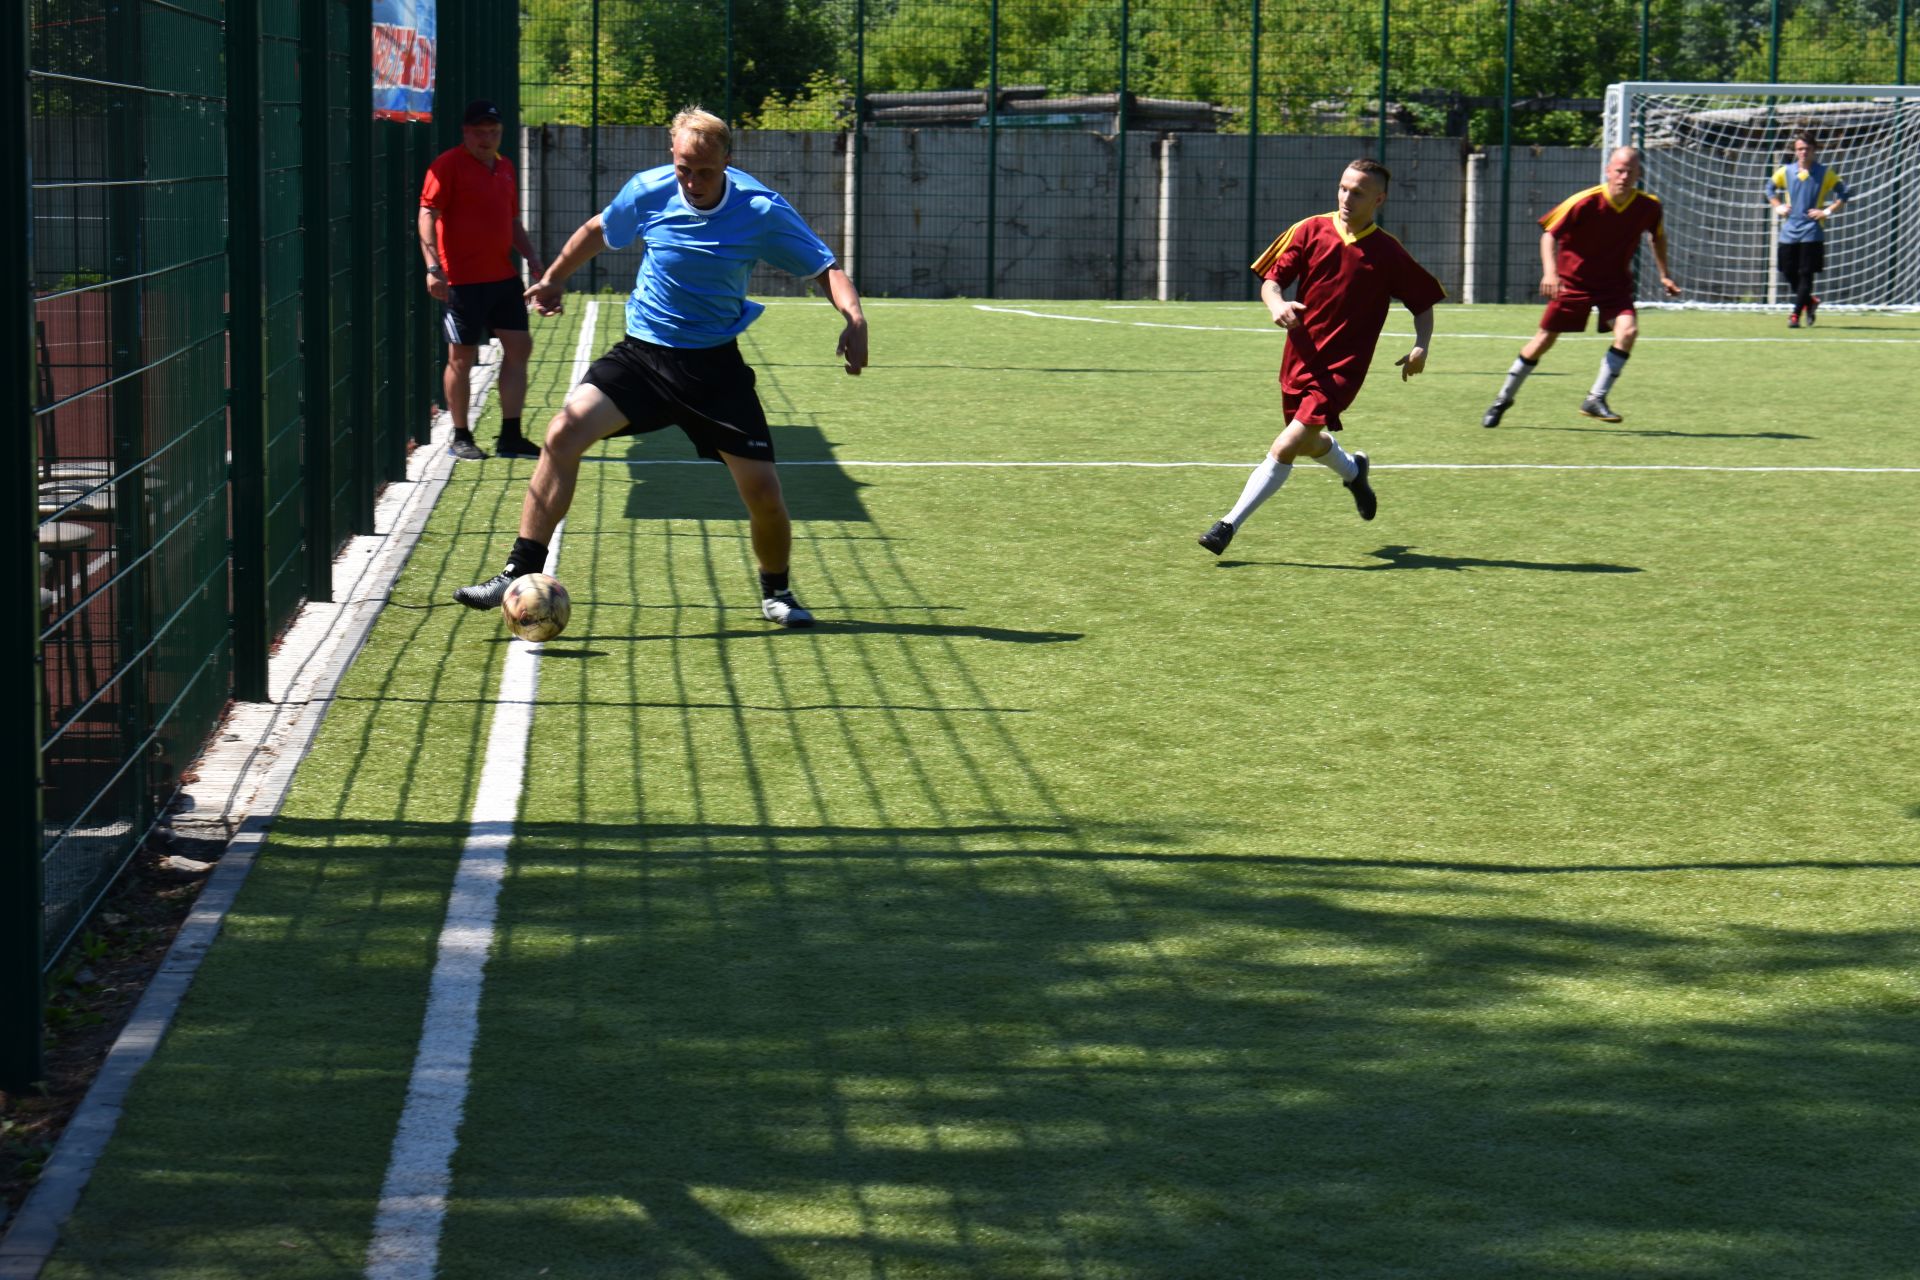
x,y
1059,206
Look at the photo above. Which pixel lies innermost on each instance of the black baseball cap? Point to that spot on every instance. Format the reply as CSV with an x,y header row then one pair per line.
x,y
480,111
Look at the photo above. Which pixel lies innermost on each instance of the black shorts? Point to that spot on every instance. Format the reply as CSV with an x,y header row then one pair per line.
x,y
1808,255
476,311
705,391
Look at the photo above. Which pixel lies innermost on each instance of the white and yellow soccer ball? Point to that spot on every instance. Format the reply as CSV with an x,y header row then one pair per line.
x,y
536,607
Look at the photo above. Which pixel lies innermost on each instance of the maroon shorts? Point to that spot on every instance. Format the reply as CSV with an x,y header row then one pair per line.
x,y
1317,405
1568,312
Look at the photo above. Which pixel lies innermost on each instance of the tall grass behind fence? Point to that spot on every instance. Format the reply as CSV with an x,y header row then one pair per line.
x,y
216,329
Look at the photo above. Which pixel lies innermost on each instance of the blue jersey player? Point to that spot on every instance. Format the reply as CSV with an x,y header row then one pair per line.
x,y
703,225
1804,195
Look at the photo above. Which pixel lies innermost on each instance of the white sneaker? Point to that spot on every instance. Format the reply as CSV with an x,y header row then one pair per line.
x,y
782,608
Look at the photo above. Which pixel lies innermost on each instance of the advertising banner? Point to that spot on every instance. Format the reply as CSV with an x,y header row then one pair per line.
x,y
403,59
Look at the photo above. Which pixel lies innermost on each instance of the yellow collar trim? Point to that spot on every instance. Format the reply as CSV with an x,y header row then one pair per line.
x,y
1347,237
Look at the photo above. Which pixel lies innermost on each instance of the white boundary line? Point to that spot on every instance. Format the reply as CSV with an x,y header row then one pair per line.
x,y
413,1200
1493,337
1242,466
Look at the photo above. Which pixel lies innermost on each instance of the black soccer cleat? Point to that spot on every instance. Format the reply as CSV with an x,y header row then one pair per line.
x,y
1813,305
1492,416
782,608
488,594
467,451
1596,407
1363,500
1217,538
1793,321
515,447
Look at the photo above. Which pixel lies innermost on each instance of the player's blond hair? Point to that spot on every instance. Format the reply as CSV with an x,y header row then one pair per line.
x,y
696,121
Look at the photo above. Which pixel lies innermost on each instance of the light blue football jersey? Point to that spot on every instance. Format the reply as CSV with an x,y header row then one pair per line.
x,y
691,289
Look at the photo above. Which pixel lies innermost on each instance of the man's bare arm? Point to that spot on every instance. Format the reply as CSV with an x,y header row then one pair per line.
x,y
545,292
852,346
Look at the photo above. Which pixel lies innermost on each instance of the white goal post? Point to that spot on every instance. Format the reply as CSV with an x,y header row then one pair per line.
x,y
1710,150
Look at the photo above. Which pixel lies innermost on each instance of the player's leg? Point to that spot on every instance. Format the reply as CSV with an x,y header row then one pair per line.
x,y
509,322
770,528
1524,364
1813,260
1353,469
1626,330
456,383
1264,481
463,322
1787,259
588,417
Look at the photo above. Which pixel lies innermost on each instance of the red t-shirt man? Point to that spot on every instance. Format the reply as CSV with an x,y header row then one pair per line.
x,y
477,206
1349,273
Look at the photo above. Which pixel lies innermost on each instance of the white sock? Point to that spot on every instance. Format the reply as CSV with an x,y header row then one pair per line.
x,y
1338,461
1610,366
1517,375
1261,485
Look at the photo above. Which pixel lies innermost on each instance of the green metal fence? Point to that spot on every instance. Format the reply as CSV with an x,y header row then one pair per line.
x,y
220,348
1138,148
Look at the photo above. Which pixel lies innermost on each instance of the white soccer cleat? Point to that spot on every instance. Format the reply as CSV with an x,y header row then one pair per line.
x,y
782,608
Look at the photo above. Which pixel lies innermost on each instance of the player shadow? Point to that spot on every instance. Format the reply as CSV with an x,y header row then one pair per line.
x,y
825,628
706,491
1402,557
1676,435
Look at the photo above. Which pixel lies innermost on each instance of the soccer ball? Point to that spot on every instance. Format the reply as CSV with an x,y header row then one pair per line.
x,y
536,607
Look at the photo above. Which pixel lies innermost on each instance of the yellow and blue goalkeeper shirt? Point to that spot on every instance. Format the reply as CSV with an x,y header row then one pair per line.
x,y
1804,189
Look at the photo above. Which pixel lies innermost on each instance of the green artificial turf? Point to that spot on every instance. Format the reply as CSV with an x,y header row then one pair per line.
x,y
1522,884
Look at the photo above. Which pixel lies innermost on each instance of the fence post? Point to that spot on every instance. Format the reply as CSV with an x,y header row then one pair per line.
x,y
1773,44
126,307
1386,14
21,887
1253,152
423,334
1646,25
859,125
316,304
1506,162
993,141
1900,49
360,230
246,354
1120,145
593,148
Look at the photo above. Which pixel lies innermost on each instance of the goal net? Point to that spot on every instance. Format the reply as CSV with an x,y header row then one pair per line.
x,y
1711,151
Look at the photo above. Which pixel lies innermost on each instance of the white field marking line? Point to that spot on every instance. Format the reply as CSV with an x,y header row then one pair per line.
x,y
1242,466
413,1200
1444,333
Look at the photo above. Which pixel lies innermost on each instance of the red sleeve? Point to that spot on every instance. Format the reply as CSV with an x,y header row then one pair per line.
x,y
435,190
1286,257
1414,286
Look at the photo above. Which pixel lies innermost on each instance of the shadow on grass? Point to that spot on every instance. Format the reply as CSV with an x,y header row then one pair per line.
x,y
816,1049
1667,434
1400,557
1014,1047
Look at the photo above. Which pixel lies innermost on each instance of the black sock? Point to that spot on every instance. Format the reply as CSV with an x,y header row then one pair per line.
x,y
463,433
772,584
527,556
509,428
